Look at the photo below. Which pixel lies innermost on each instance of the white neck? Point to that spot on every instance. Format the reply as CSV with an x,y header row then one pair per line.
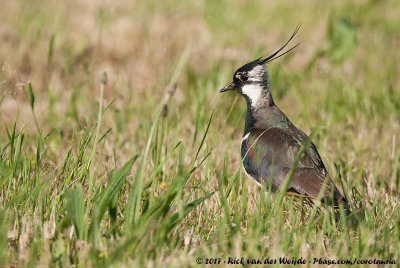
x,y
253,91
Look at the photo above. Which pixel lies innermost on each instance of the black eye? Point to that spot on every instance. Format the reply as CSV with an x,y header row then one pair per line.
x,y
243,77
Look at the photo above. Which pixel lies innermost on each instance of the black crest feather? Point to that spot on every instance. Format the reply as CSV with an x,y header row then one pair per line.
x,y
274,56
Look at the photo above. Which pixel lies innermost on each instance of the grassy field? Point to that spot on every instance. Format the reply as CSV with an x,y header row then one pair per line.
x,y
142,167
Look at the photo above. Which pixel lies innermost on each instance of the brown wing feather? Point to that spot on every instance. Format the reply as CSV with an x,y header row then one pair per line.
x,y
279,151
282,148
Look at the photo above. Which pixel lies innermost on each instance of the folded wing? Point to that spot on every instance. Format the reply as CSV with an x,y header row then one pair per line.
x,y
269,155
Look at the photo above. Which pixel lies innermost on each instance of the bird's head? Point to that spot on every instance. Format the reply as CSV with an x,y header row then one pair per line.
x,y
251,80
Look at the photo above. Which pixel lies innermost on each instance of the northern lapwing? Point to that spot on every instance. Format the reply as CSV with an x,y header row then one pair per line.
x,y
271,142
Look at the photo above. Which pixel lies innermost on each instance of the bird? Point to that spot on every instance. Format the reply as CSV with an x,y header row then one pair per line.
x,y
271,142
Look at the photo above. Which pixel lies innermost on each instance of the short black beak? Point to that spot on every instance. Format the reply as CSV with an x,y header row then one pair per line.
x,y
231,86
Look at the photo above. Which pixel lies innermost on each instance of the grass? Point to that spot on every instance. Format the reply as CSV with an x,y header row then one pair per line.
x,y
143,168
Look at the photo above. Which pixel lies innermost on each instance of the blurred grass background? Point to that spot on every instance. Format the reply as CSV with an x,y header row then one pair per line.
x,y
71,192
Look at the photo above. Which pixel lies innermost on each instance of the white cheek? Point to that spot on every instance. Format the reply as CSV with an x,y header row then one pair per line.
x,y
253,92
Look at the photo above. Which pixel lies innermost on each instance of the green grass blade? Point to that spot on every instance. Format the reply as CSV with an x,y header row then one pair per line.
x,y
76,209
17,153
30,94
177,217
4,247
51,49
132,209
12,141
114,184
204,137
